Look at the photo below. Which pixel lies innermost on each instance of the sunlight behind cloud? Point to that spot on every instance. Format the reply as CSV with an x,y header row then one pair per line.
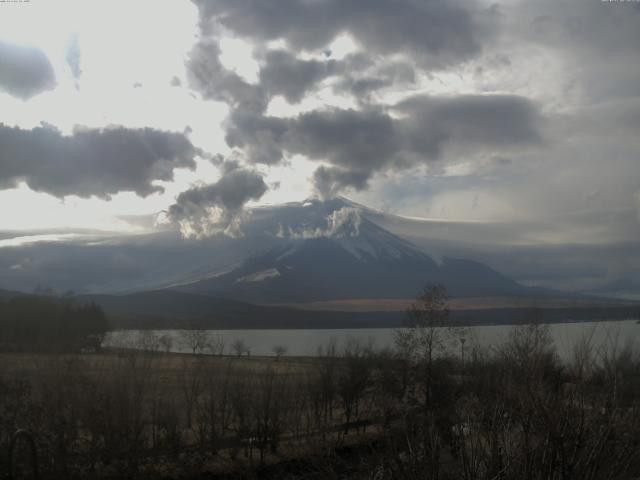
x,y
321,99
143,46
37,210
30,23
28,239
33,210
342,46
289,182
237,56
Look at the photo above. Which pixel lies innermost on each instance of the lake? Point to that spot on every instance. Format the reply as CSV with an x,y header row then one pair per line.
x,y
305,342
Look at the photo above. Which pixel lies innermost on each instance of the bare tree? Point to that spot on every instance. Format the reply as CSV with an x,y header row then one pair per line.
x,y
215,409
279,351
428,334
148,341
354,378
166,342
216,344
191,385
426,318
194,339
239,347
529,349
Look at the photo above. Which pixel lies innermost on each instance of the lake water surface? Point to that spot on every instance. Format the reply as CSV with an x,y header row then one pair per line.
x,y
305,342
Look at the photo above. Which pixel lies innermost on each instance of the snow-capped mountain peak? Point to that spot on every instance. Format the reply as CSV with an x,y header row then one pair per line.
x,y
347,228
340,223
331,249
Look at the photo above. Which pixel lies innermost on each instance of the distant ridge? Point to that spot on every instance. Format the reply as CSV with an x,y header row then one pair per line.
x,y
171,309
8,294
178,310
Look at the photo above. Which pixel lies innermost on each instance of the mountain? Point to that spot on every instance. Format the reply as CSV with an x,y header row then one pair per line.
x,y
337,253
292,252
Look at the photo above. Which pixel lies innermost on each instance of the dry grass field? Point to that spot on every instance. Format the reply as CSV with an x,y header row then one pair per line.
x,y
468,303
169,368
179,414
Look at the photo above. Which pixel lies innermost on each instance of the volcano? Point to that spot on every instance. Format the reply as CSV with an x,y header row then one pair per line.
x,y
331,251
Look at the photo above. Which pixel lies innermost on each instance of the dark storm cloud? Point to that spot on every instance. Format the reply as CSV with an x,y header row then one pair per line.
x,y
205,210
360,143
328,182
260,137
24,71
282,74
207,75
286,75
435,33
91,162
362,77
491,120
343,137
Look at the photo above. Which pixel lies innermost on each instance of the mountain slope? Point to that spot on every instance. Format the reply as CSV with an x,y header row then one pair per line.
x,y
339,249
349,257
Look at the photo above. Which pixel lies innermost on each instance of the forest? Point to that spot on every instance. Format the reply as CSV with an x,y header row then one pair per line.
x,y
45,323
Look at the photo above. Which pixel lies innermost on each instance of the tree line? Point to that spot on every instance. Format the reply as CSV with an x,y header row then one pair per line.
x,y
35,322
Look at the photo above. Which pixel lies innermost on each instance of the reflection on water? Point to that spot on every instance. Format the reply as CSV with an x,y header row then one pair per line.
x,y
306,342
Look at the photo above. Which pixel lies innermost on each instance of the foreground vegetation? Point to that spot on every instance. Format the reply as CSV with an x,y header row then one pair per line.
x,y
514,412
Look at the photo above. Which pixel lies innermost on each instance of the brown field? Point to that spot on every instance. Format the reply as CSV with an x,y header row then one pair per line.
x,y
168,381
470,303
170,366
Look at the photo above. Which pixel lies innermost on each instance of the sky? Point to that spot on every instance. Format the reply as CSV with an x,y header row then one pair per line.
x,y
188,114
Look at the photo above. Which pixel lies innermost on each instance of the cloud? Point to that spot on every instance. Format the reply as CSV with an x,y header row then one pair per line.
x,y
395,35
434,33
74,57
636,196
359,143
24,71
217,208
328,182
574,24
92,162
340,223
476,120
207,75
362,77
286,75
282,73
343,137
597,42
